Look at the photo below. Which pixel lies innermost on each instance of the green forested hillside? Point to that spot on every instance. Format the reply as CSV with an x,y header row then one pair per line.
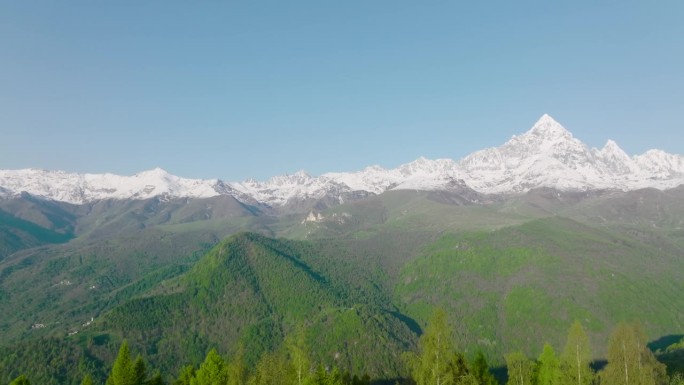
x,y
17,234
361,279
519,285
253,290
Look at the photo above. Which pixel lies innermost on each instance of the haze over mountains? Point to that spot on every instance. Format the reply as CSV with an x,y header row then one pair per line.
x,y
547,155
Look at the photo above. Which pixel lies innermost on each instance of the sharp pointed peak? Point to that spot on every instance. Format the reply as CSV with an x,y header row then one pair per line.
x,y
546,118
610,143
548,127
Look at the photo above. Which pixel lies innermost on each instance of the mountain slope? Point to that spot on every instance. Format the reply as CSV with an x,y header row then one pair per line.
x,y
523,285
18,234
255,290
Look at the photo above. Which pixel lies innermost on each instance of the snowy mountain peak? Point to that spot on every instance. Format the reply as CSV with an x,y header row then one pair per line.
x,y
547,155
155,172
548,128
611,145
613,150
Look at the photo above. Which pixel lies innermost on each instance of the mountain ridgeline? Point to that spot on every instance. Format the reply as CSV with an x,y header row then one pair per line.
x,y
547,155
515,243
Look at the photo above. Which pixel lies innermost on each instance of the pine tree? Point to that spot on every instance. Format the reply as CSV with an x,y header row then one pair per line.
x,y
480,370
122,371
576,358
185,376
139,371
212,371
156,379
548,367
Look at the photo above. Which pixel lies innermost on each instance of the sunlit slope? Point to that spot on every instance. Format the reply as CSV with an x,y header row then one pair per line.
x,y
255,290
520,286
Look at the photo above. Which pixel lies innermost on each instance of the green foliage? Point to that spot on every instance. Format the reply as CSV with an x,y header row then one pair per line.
x,y
537,277
212,371
248,291
576,358
299,356
361,287
629,360
21,380
17,234
436,361
185,376
676,346
521,370
236,370
48,361
480,370
124,370
548,367
270,370
677,379
325,377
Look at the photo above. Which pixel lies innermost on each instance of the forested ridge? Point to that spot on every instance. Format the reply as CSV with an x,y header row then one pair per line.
x,y
360,285
436,360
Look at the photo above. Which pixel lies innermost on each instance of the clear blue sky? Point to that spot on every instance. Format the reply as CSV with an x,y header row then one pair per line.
x,y
259,88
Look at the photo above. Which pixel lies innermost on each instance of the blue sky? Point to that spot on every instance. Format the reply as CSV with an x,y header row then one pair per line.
x,y
258,88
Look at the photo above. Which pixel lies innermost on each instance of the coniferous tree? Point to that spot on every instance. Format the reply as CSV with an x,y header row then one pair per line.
x,y
480,370
520,369
212,371
156,379
458,367
185,375
123,372
548,367
139,371
576,358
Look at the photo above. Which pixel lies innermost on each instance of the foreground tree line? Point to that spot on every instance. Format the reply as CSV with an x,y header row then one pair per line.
x,y
437,362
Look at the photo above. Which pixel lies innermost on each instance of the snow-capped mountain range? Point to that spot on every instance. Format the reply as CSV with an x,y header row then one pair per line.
x,y
545,156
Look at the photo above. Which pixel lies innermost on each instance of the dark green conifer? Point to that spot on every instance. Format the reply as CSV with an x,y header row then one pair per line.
x,y
123,371
480,370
